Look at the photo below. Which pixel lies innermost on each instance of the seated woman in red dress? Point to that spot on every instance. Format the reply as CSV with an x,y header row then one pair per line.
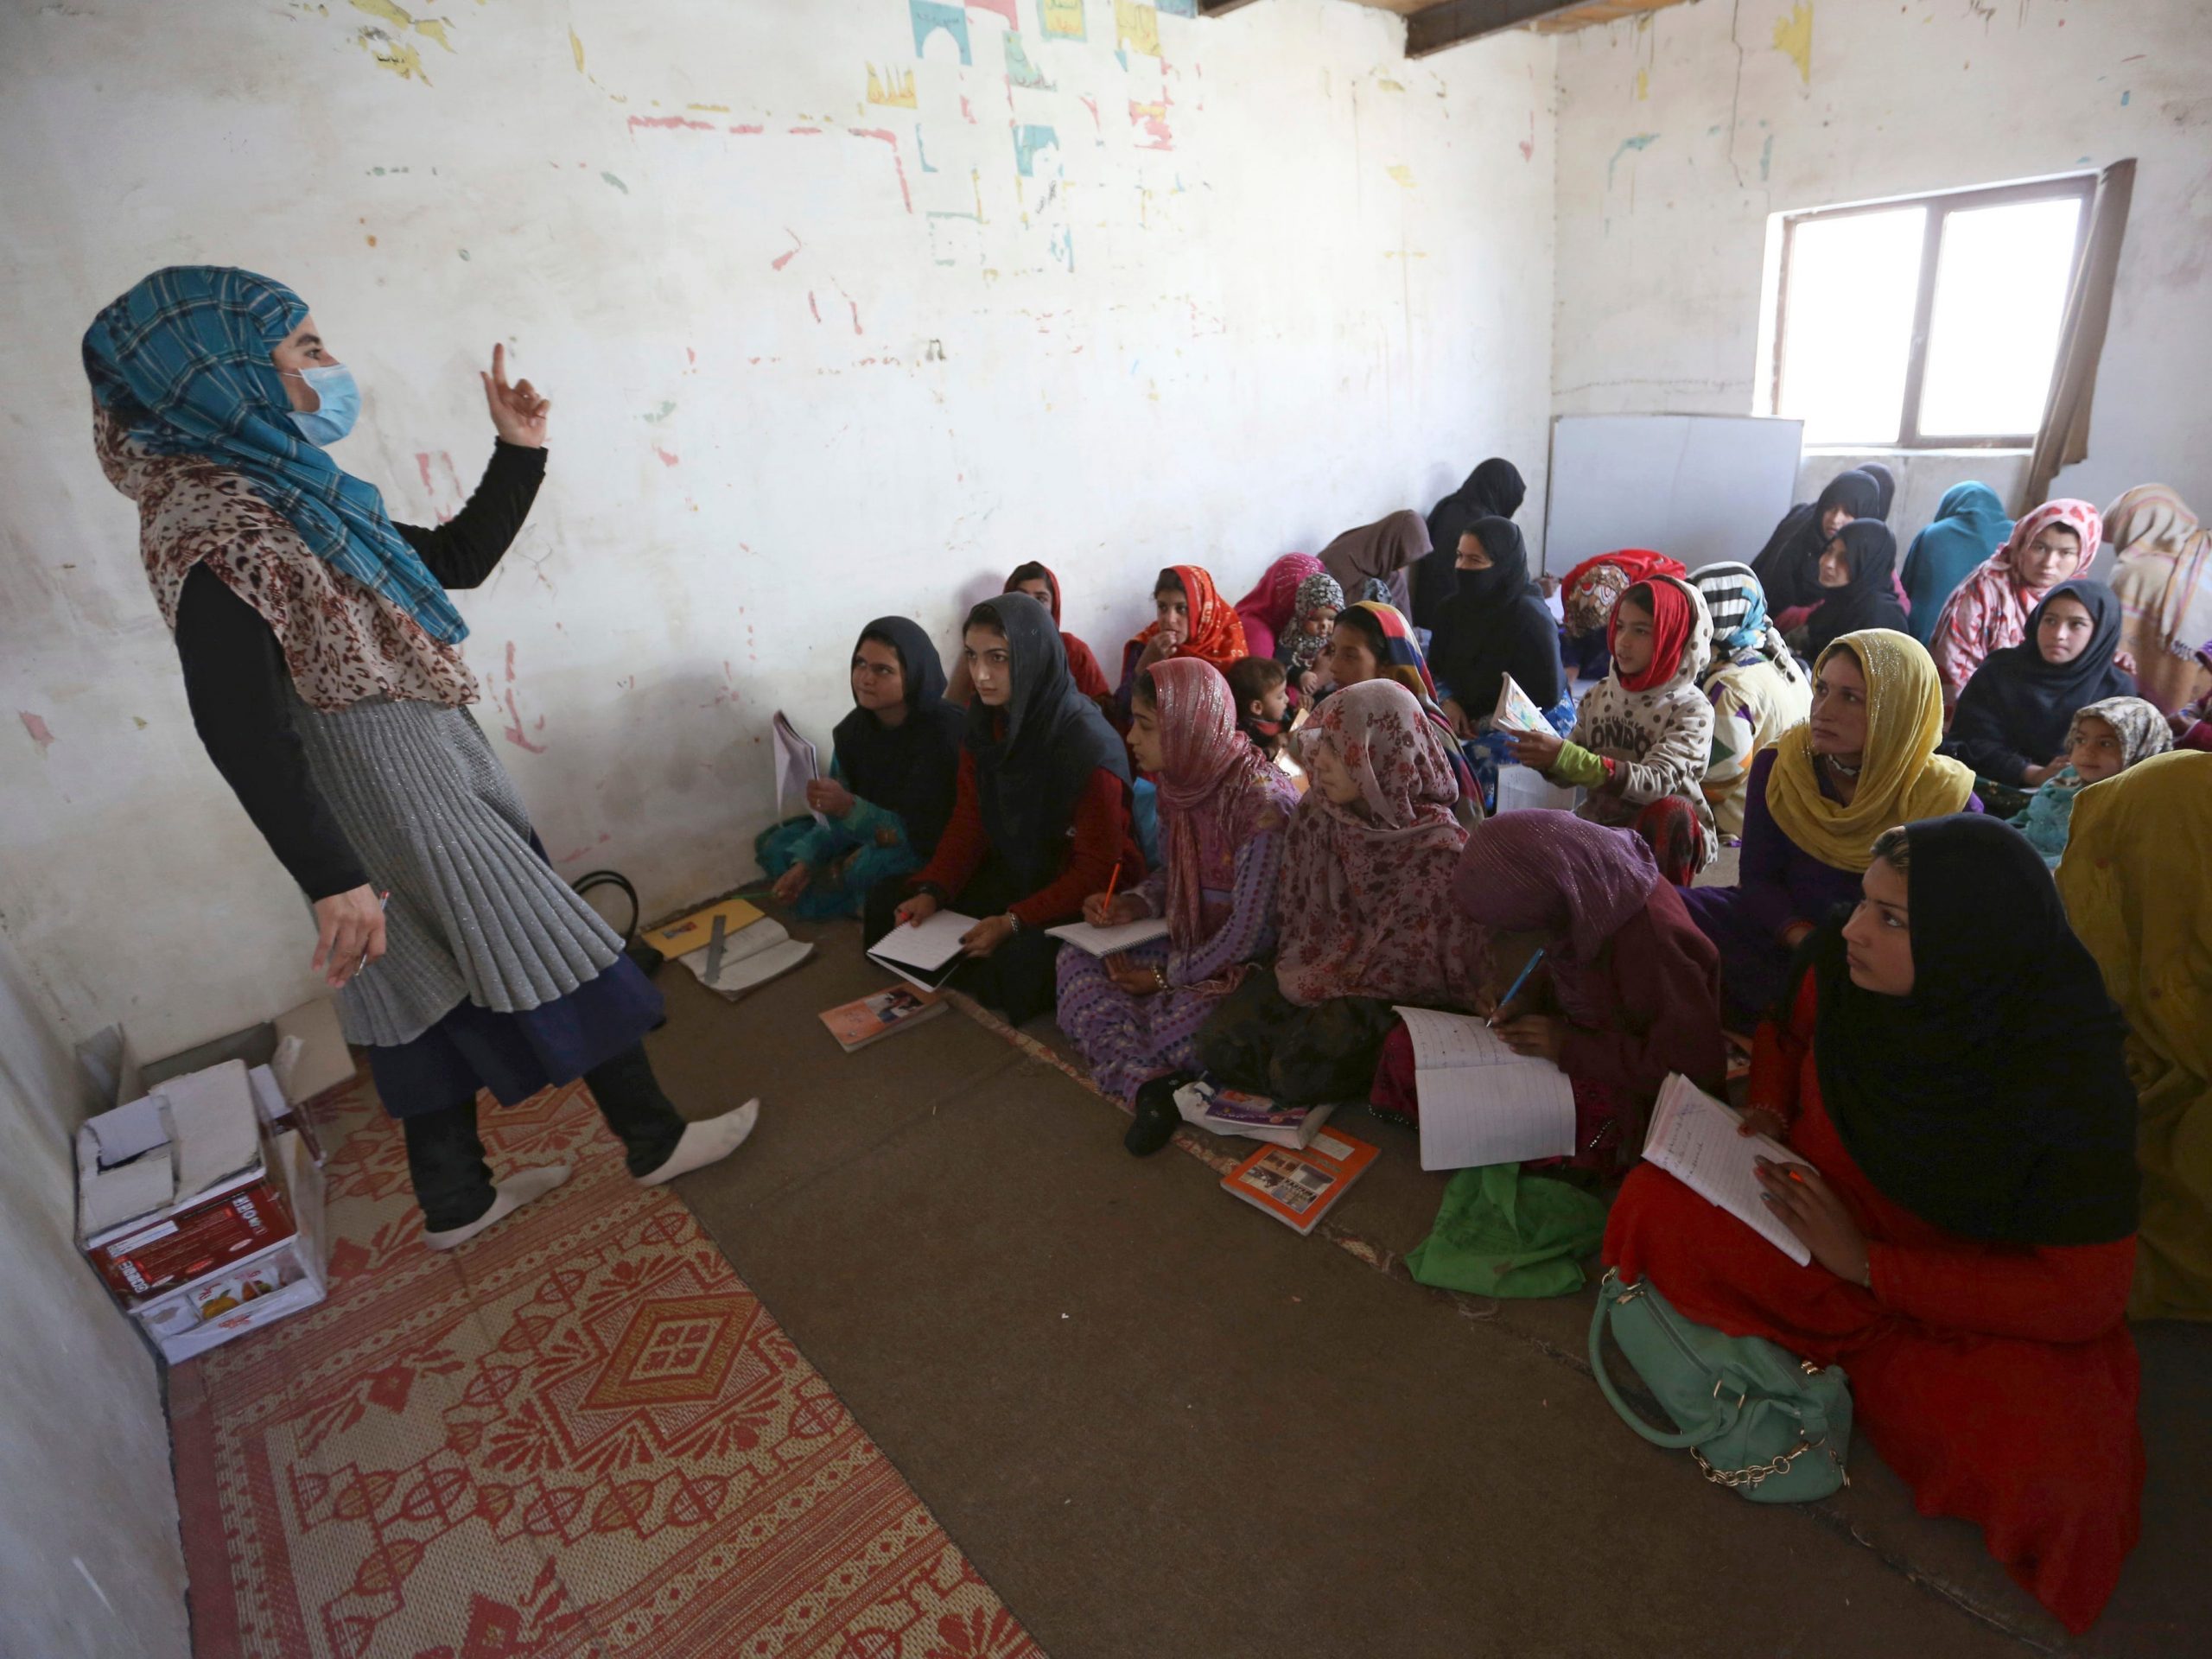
x,y
1628,991
1951,1073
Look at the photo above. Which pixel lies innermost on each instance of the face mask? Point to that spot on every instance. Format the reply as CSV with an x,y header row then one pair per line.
x,y
340,403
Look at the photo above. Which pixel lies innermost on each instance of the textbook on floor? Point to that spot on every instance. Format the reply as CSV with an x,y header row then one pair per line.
x,y
1298,1186
1232,1111
871,1018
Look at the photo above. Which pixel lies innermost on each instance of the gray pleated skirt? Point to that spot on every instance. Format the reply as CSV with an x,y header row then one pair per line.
x,y
476,913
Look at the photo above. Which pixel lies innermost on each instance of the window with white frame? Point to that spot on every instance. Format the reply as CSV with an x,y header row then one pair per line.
x,y
1931,322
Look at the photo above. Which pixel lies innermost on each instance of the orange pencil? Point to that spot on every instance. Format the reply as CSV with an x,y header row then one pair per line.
x,y
1112,880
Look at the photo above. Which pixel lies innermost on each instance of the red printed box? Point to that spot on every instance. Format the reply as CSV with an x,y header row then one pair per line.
x,y
177,1184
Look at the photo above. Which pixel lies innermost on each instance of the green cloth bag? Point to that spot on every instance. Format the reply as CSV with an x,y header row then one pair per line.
x,y
1501,1232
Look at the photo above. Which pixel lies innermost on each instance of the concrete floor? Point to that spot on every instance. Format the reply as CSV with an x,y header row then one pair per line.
x,y
1162,1424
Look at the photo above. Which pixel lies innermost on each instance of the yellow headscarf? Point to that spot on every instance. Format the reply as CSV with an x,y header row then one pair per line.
x,y
1904,779
2134,883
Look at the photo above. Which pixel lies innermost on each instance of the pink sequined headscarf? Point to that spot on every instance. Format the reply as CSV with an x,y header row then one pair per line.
x,y
1215,788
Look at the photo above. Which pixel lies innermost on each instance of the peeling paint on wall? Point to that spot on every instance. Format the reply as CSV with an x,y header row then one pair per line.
x,y
1793,38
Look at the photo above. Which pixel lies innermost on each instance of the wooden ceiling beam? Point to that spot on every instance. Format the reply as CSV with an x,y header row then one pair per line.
x,y
1221,8
1458,20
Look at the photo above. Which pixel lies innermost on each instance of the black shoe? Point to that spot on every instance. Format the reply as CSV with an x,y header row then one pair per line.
x,y
1156,1117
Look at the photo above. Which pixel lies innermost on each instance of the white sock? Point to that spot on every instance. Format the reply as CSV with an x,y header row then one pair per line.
x,y
706,1143
508,1196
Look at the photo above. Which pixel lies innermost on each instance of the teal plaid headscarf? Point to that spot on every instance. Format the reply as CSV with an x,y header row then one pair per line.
x,y
181,362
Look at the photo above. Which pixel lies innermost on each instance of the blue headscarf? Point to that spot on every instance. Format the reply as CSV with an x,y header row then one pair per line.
x,y
1969,525
181,363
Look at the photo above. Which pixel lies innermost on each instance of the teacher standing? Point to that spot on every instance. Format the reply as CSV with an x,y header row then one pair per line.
x,y
319,650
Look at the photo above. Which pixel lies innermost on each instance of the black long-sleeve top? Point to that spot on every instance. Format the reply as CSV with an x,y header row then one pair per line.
x,y
237,686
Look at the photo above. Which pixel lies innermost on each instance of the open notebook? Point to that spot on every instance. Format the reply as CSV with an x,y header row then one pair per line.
x,y
1481,1102
1694,1138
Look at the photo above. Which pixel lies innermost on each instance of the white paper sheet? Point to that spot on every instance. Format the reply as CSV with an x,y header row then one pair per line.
x,y
1693,1137
929,950
1105,941
798,764
1481,1102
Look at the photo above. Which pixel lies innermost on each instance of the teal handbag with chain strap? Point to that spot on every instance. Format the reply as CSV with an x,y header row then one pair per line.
x,y
1775,1428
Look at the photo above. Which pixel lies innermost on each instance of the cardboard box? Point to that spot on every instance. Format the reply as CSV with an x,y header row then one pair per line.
x,y
178,1183
254,1290
304,1048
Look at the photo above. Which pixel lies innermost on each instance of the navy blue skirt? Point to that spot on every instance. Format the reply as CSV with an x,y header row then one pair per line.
x,y
515,1055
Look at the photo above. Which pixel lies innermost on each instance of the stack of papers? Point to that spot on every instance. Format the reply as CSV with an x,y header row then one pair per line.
x,y
798,764
925,955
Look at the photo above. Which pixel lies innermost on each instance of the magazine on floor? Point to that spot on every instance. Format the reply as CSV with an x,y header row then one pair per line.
x,y
1232,1111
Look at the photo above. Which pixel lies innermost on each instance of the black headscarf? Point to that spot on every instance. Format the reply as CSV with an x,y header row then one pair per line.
x,y
1493,490
1869,600
910,768
2014,712
1993,1100
1495,625
1885,483
1788,565
1035,755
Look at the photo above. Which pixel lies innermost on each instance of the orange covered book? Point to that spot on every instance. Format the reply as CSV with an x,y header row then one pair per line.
x,y
1299,1185
855,1025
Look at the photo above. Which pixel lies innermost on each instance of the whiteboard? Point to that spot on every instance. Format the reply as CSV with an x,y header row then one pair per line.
x,y
1696,487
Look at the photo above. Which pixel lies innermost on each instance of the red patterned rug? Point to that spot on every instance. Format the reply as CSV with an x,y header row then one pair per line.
x,y
580,1434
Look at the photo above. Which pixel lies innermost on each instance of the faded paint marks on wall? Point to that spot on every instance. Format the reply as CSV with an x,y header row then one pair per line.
x,y
1636,142
41,735
1793,38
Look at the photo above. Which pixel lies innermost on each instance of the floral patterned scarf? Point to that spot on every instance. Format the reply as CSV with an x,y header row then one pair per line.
x,y
1366,888
341,641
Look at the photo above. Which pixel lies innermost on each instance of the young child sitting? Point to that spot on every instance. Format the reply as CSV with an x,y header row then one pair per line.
x,y
1643,734
2106,739
1261,694
1303,649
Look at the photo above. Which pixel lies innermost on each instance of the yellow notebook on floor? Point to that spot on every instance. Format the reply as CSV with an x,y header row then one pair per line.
x,y
693,932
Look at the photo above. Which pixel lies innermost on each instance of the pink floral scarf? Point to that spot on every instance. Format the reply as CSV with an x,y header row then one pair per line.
x,y
1366,889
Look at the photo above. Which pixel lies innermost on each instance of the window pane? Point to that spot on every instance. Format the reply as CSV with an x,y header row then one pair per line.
x,y
1992,336
1848,323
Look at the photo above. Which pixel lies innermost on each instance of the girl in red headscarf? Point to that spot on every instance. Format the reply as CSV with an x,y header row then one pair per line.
x,y
1194,621
1589,592
1267,611
1643,734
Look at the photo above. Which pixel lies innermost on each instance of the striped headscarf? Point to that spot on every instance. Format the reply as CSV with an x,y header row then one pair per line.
x,y
1740,624
180,364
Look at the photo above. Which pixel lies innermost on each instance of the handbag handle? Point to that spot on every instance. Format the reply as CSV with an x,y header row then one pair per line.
x,y
1611,1292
